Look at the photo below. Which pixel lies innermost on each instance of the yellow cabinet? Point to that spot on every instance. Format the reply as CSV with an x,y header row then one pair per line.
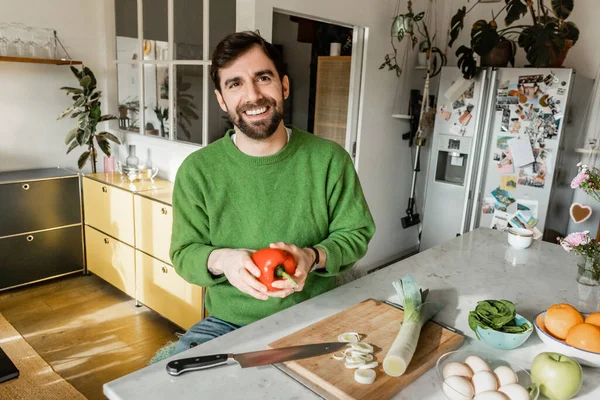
x,y
153,225
109,209
160,288
111,260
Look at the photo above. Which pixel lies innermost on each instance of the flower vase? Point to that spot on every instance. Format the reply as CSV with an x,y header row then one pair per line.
x,y
588,271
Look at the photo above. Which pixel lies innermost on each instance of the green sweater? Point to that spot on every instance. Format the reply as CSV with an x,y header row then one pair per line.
x,y
307,194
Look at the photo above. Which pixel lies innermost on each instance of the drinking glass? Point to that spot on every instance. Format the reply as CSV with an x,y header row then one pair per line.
x,y
49,44
19,32
4,43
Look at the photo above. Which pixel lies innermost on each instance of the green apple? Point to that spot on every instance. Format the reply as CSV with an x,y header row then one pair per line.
x,y
558,376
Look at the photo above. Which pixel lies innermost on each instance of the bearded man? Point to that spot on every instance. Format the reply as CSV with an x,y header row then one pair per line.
x,y
262,185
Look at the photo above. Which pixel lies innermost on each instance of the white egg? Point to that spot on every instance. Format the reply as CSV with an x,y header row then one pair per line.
x,y
457,369
458,388
506,376
484,381
477,364
515,392
491,395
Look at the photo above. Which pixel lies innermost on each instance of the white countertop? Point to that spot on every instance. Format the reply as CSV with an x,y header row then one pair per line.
x,y
477,266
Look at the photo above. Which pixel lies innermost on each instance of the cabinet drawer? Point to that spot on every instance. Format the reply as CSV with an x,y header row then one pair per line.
x,y
29,258
153,225
160,288
111,260
109,210
37,205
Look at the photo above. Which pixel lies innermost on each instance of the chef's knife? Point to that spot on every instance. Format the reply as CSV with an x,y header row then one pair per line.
x,y
255,358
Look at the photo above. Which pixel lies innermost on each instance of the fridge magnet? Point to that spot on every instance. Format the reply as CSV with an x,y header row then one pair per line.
x,y
533,175
526,112
518,220
503,196
561,91
507,101
548,126
550,79
515,126
502,142
505,120
488,205
444,113
529,86
508,182
465,118
499,207
459,103
468,94
580,213
500,221
505,165
528,206
521,151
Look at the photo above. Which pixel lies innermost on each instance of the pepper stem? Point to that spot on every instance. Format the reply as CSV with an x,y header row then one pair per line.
x,y
280,273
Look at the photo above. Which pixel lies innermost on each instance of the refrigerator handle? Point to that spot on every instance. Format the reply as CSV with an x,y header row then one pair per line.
x,y
484,154
481,107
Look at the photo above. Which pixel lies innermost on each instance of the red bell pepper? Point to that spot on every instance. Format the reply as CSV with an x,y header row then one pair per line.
x,y
274,264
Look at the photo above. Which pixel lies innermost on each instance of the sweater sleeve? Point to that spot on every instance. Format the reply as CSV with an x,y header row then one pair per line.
x,y
351,225
190,240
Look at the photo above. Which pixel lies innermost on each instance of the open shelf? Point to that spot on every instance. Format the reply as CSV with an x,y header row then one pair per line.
x,y
587,151
39,60
401,116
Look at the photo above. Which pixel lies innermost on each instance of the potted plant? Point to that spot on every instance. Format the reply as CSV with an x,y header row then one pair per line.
x,y
545,42
86,108
410,24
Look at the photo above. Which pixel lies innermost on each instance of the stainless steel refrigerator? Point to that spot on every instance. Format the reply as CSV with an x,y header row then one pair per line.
x,y
502,152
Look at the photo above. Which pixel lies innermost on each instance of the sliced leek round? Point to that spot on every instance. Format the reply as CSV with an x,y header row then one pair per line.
x,y
365,376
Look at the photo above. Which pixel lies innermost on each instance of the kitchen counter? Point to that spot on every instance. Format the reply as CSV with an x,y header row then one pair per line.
x,y
477,266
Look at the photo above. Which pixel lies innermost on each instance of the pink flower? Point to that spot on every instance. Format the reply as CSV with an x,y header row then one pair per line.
x,y
578,180
576,239
566,246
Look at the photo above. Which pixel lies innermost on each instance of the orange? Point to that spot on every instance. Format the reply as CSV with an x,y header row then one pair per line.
x,y
560,318
593,319
585,337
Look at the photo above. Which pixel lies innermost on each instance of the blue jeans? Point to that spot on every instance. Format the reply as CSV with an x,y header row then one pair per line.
x,y
205,330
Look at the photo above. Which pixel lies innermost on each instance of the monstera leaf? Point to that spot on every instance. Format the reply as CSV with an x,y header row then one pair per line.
x,y
562,8
570,31
457,24
541,43
466,62
515,9
484,37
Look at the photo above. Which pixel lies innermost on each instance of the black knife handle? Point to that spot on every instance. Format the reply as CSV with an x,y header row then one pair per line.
x,y
182,365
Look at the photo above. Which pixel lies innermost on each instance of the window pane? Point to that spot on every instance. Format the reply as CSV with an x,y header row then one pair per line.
x,y
188,103
156,29
128,91
218,121
188,23
222,21
156,97
126,28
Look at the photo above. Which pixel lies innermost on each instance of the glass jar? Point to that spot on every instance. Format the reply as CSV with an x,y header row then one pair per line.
x,y
588,270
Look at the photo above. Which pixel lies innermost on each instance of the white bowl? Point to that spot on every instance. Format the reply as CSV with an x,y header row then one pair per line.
x,y
520,238
584,357
493,362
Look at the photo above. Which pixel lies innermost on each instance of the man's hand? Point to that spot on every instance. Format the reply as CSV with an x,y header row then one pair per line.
x,y
305,258
241,272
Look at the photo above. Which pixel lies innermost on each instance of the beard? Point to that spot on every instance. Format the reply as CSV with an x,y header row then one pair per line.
x,y
263,129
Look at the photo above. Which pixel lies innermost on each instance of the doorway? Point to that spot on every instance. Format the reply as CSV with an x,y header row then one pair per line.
x,y
323,61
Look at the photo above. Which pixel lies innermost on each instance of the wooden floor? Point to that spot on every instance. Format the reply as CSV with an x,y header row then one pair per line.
x,y
88,331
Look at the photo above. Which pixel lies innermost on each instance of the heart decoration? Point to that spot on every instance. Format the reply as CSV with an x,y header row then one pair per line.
x,y
580,213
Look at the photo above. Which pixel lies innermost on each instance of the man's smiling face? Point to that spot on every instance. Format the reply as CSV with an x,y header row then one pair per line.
x,y
252,93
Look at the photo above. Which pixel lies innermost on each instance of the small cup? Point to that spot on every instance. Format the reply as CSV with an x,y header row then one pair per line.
x,y
520,238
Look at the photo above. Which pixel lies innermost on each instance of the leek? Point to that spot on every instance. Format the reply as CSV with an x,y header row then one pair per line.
x,y
416,313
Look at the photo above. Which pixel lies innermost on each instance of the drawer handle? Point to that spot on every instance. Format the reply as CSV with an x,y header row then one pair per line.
x,y
106,240
163,211
26,186
30,238
104,189
164,269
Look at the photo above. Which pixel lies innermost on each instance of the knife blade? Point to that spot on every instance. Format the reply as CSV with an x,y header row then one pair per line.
x,y
253,359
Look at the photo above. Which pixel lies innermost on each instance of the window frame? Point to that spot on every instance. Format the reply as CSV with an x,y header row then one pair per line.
x,y
171,63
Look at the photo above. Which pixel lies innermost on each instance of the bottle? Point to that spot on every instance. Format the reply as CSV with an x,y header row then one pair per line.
x,y
132,160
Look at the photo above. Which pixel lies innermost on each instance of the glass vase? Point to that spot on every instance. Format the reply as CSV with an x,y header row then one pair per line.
x,y
588,271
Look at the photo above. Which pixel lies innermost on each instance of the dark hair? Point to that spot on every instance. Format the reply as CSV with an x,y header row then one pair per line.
x,y
237,44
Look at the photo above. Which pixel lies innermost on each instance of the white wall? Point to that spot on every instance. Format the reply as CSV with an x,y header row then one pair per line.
x,y
30,99
384,161
297,56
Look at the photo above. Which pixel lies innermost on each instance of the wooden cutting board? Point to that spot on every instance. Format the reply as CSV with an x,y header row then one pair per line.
x,y
378,324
